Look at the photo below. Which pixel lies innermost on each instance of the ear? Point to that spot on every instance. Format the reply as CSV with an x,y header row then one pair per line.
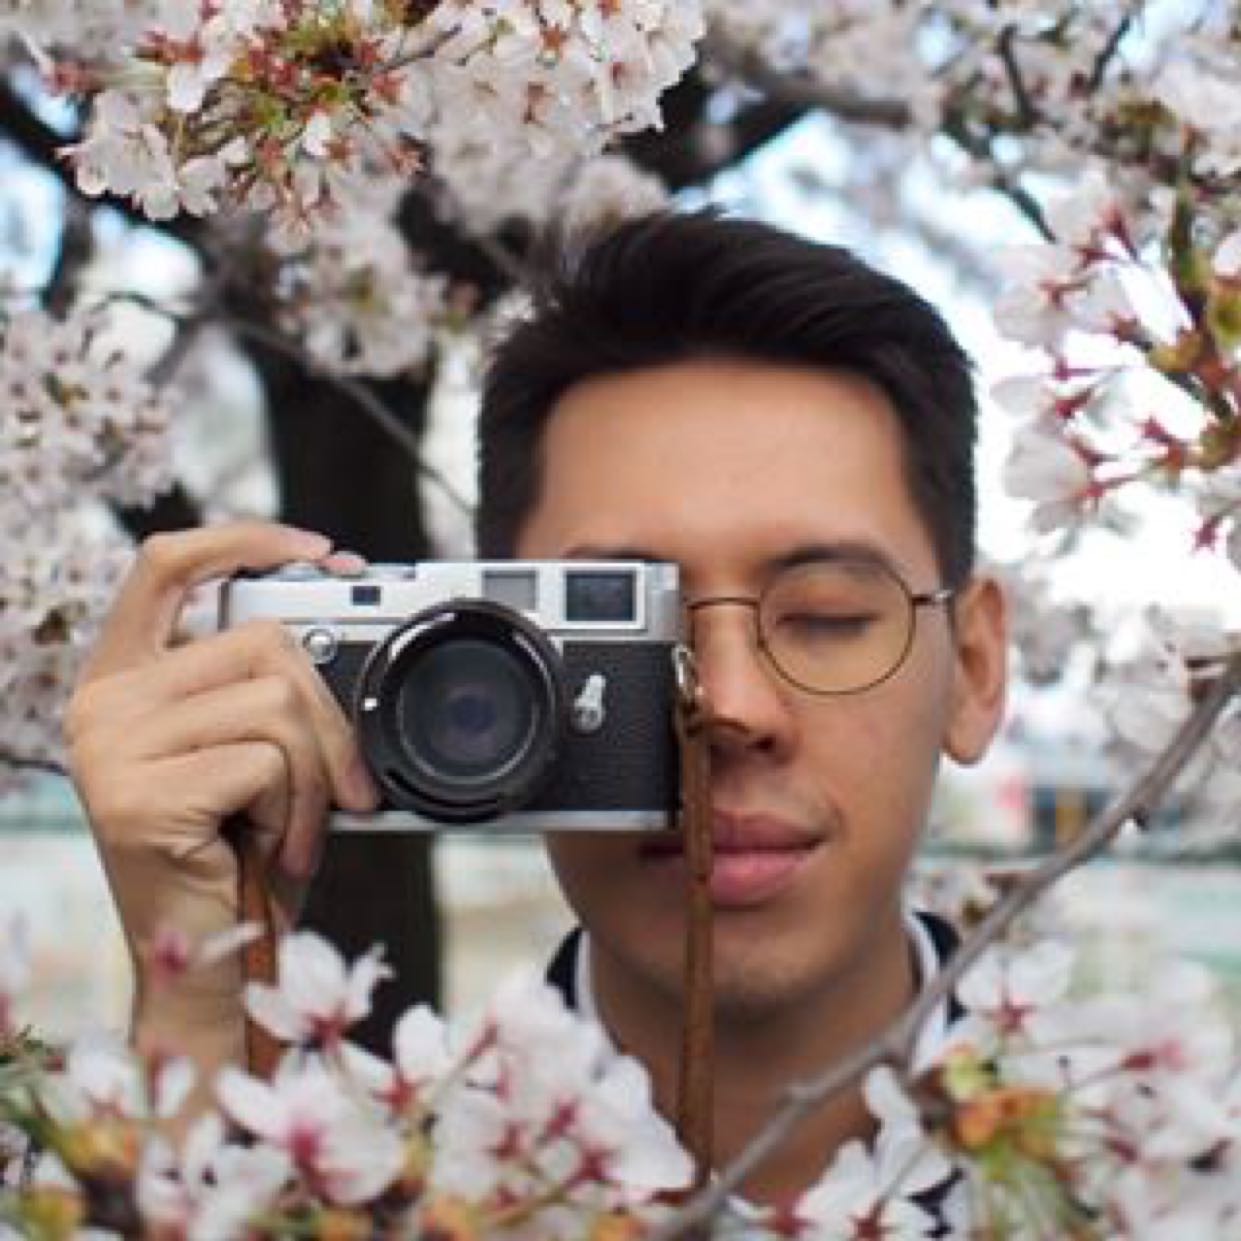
x,y
980,632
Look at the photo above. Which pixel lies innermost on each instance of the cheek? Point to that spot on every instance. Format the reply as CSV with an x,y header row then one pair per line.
x,y
883,752
589,868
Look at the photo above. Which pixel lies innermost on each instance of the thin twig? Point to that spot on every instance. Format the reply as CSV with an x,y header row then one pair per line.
x,y
357,392
888,113
1026,110
24,762
895,1045
1109,49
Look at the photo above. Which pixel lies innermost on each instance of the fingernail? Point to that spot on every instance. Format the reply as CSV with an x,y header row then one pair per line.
x,y
345,564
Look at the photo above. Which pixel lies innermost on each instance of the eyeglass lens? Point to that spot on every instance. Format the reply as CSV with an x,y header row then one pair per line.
x,y
836,626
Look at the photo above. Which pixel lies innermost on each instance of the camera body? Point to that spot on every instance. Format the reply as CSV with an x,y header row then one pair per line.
x,y
507,696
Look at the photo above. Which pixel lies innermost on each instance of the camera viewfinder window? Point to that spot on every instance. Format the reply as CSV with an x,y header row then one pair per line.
x,y
600,595
367,595
514,588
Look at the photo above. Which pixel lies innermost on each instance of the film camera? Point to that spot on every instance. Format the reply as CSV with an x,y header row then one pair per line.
x,y
509,695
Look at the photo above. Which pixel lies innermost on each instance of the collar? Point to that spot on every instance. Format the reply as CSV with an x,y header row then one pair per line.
x,y
928,959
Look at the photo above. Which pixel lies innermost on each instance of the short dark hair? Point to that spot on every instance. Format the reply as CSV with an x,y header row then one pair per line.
x,y
670,287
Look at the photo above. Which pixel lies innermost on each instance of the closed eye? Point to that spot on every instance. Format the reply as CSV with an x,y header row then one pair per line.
x,y
811,625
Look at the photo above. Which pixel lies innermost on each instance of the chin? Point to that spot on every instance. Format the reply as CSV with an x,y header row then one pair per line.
x,y
750,987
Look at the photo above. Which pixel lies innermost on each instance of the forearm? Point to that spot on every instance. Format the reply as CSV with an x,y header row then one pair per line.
x,y
205,1024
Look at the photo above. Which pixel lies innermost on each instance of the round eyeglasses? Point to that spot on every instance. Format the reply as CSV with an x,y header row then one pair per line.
x,y
835,626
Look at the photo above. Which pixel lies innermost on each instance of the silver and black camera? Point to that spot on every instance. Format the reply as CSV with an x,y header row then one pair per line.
x,y
511,695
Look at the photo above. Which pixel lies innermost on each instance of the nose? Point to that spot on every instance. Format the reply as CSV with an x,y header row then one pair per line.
x,y
748,708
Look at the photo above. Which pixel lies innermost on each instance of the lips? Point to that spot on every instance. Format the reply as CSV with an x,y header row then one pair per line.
x,y
756,857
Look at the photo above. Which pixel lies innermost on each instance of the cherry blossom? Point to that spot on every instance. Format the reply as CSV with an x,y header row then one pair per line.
x,y
1146,696
1113,1112
873,1192
355,296
55,582
309,96
1048,467
338,1146
544,1105
318,998
77,416
210,1189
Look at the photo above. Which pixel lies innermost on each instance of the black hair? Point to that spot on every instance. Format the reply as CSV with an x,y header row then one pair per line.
x,y
671,287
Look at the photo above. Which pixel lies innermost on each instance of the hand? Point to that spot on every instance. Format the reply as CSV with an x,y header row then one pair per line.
x,y
168,741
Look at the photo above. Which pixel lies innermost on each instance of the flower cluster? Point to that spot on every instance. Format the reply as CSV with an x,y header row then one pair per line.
x,y
275,107
1046,1114
78,424
1146,696
352,292
77,418
56,580
1095,1116
522,1124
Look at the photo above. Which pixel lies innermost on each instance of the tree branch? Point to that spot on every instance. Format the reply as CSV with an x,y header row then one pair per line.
x,y
1027,113
896,1044
807,91
886,113
361,396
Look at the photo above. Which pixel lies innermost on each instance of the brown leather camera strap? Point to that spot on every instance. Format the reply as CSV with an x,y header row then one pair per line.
x,y
258,957
696,1079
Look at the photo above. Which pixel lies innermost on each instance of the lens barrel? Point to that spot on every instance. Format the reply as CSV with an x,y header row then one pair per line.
x,y
462,711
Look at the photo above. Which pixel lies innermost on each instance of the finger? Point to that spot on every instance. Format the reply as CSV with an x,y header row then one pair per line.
x,y
143,620
266,709
257,649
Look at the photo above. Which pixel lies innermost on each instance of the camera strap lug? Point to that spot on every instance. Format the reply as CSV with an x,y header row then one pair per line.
x,y
589,713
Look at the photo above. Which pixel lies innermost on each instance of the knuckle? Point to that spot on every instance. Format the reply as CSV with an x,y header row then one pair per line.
x,y
112,810
79,715
279,695
269,637
159,555
273,767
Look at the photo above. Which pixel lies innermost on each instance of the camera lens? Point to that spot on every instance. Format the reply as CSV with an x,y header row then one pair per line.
x,y
467,710
461,712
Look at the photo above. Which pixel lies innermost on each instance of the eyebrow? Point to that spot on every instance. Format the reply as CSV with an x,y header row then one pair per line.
x,y
819,552
854,550
591,551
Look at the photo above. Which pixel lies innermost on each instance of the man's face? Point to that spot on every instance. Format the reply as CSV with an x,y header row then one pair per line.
x,y
728,468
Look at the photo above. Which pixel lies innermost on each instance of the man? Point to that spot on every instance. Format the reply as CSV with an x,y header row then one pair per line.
x,y
795,431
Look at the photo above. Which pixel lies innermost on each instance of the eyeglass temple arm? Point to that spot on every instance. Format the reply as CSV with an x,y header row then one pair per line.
x,y
931,598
